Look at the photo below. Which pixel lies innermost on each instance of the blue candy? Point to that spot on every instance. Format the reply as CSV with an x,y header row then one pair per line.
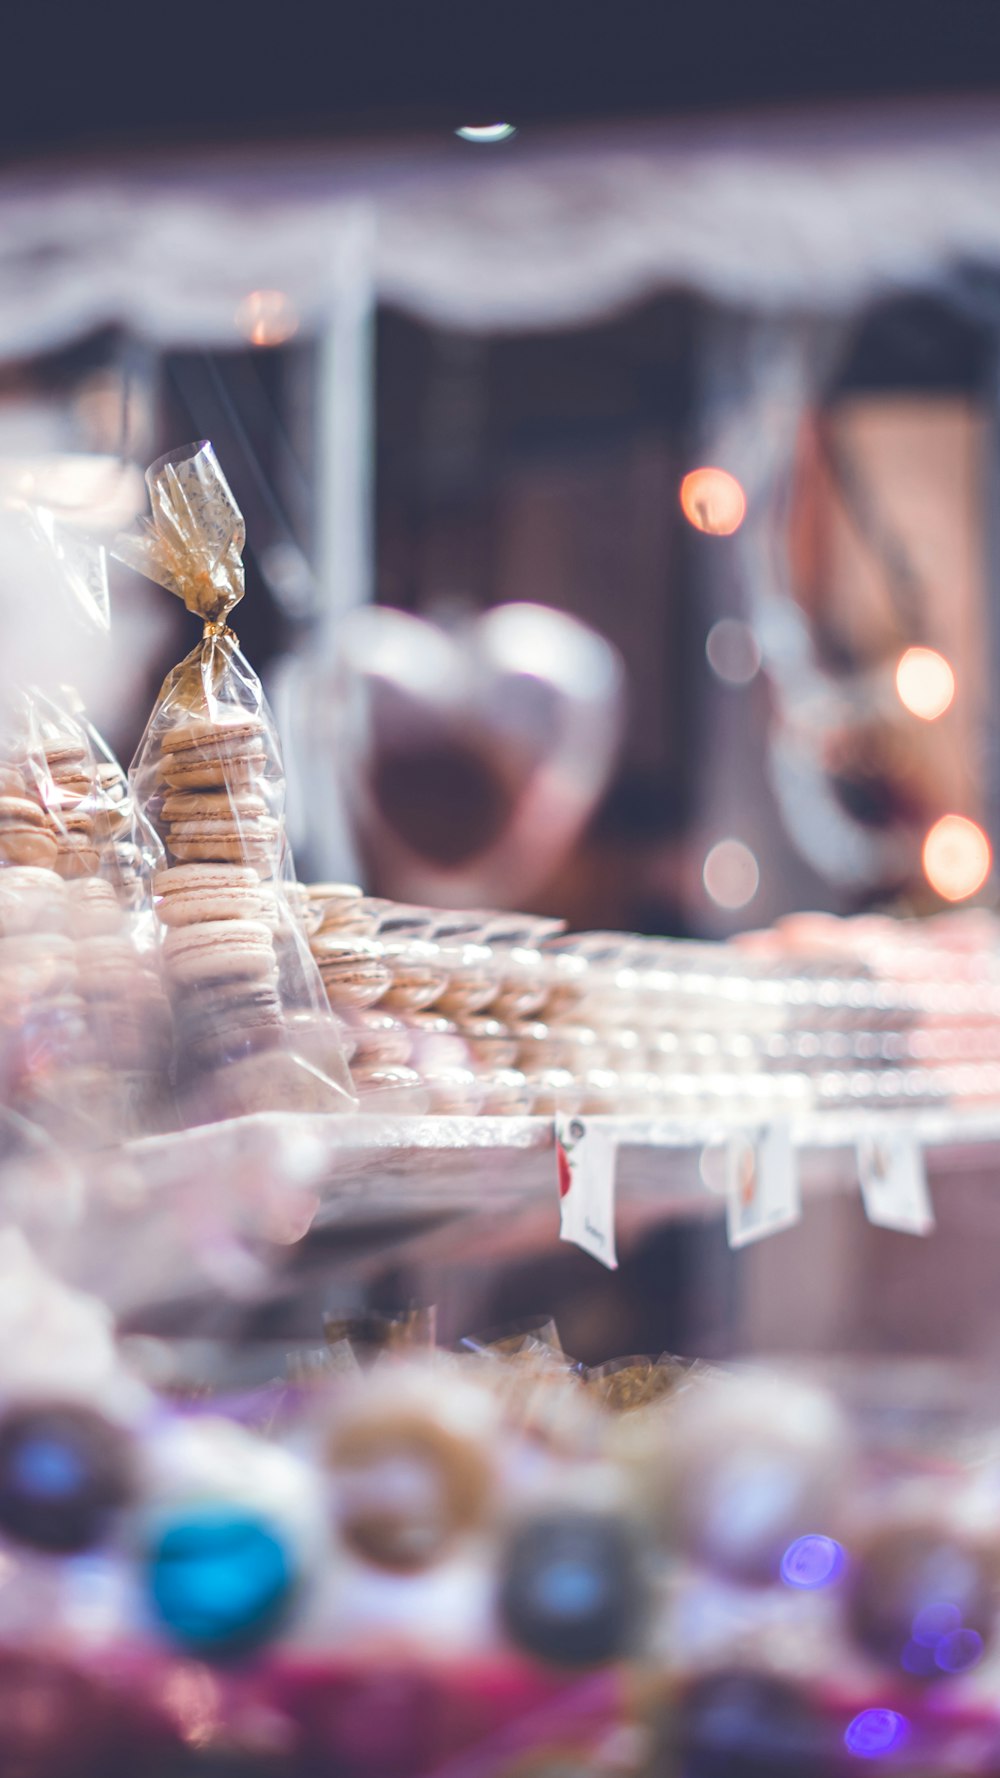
x,y
221,1580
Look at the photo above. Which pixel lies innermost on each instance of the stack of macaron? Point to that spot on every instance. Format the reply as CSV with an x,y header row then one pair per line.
x,y
218,913
83,1018
28,833
73,775
215,804
219,955
232,953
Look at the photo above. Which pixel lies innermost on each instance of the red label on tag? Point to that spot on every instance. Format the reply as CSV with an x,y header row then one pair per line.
x,y
563,1170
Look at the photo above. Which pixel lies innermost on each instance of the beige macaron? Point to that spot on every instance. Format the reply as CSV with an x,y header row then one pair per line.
x,y
219,950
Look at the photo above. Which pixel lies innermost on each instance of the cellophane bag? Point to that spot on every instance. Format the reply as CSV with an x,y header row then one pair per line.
x,y
84,1022
253,1028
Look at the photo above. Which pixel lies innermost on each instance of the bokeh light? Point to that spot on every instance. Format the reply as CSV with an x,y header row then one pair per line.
x,y
732,651
731,875
956,857
487,132
812,1561
267,318
713,501
959,1652
875,1732
925,683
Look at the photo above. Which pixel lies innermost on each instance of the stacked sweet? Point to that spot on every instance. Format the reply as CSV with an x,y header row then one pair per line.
x,y
228,936
85,1025
498,1014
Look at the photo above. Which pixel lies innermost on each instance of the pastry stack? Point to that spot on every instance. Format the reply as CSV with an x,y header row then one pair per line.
x,y
218,946
83,1018
227,934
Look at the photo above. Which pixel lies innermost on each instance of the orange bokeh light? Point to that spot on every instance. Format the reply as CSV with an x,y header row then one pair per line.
x,y
956,857
925,683
267,318
713,501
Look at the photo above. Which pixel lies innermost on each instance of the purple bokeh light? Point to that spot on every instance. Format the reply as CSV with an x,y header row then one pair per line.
x,y
875,1732
812,1561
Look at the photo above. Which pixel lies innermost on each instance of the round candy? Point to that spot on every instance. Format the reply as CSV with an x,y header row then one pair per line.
x,y
923,1595
747,1466
572,1591
413,1466
64,1472
221,1580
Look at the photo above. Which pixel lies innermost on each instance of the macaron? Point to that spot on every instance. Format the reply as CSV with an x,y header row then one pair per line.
x,y
93,908
353,969
228,1019
188,894
231,840
418,974
505,1093
379,1038
32,900
26,833
11,781
211,805
219,950
36,964
209,753
107,966
389,1087
77,855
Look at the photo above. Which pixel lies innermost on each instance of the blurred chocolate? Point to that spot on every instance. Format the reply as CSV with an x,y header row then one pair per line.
x,y
572,1590
923,1594
65,1471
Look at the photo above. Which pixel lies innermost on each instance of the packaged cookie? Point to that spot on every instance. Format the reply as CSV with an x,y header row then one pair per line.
x,y
253,1026
83,1016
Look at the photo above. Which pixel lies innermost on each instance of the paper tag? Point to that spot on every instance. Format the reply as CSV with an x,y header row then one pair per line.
x,y
762,1184
893,1179
586,1156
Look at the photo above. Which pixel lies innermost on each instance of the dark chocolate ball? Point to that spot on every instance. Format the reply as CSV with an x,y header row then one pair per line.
x,y
65,1471
572,1590
922,1596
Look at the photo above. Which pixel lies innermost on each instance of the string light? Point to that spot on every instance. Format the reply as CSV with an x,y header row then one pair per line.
x,y
713,501
487,132
267,318
925,683
956,857
730,874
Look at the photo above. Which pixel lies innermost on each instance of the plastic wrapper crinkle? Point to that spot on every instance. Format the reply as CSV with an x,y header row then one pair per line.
x,y
253,1027
84,1027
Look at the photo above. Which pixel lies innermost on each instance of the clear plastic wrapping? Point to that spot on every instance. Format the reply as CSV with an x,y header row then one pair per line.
x,y
84,1024
253,1027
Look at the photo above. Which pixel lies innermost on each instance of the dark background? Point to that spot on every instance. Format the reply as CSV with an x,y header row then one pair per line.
x,y
88,76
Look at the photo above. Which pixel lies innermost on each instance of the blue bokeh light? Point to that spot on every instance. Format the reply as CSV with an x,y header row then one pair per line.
x,y
875,1732
812,1561
935,1621
959,1651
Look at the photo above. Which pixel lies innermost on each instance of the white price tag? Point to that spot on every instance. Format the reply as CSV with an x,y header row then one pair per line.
x,y
762,1184
894,1181
586,1157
